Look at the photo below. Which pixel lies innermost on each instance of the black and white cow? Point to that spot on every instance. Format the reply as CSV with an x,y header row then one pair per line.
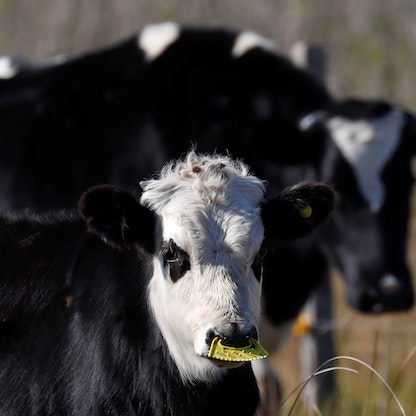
x,y
118,114
113,311
370,164
368,159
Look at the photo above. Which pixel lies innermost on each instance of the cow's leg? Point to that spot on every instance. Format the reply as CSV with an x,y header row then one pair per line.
x,y
270,388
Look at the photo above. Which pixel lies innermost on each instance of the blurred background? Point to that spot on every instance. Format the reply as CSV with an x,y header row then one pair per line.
x,y
371,44
371,53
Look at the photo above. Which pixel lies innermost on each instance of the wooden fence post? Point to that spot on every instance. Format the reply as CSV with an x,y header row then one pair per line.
x,y
317,346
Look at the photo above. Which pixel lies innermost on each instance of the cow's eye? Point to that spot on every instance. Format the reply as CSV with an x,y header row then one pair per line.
x,y
257,265
176,259
169,253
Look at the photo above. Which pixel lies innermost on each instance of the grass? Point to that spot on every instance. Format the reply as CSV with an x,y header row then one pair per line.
x,y
374,369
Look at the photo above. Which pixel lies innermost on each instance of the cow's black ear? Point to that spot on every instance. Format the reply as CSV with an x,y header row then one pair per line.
x,y
117,217
298,210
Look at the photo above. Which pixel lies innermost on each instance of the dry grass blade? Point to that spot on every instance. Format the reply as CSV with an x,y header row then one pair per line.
x,y
403,367
345,357
304,383
320,371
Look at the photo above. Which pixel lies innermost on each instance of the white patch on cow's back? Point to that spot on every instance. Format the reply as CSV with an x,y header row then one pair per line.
x,y
58,59
246,41
368,145
154,39
7,69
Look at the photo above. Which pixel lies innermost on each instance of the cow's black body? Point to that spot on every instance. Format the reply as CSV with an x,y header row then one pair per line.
x,y
111,116
77,337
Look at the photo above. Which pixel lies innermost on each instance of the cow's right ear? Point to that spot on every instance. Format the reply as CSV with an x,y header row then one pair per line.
x,y
298,210
117,217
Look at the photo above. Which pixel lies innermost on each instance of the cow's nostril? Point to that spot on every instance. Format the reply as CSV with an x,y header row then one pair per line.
x,y
389,295
211,334
389,284
232,335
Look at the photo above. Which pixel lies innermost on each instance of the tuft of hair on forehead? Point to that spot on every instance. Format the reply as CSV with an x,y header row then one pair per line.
x,y
208,176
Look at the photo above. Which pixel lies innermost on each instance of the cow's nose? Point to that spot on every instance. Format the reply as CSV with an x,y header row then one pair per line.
x,y
233,334
390,294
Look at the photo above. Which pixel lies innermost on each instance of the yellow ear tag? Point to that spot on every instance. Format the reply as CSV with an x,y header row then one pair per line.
x,y
252,351
306,211
302,326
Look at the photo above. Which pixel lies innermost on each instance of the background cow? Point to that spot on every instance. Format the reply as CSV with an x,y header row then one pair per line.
x,y
117,114
368,159
114,311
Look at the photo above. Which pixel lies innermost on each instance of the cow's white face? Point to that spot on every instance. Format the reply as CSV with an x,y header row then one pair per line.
x,y
368,146
368,239
203,283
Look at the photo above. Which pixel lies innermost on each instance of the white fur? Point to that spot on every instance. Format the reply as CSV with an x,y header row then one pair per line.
x,y
368,146
7,69
246,41
213,215
154,39
58,59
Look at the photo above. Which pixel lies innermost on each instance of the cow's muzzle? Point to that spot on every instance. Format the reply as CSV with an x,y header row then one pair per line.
x,y
232,345
390,294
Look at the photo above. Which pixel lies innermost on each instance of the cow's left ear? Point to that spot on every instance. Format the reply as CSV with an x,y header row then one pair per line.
x,y
117,217
298,210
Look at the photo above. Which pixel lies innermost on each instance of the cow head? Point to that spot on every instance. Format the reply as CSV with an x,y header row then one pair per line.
x,y
369,163
206,281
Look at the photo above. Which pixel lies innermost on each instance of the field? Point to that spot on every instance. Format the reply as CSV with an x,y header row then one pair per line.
x,y
386,343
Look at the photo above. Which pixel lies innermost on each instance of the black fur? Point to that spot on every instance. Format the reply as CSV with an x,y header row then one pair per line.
x,y
76,333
